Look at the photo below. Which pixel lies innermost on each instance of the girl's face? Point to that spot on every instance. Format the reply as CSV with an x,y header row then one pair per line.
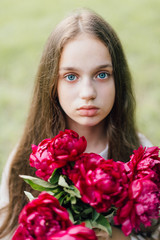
x,y
86,88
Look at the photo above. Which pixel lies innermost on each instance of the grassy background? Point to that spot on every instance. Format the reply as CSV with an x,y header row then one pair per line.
x,y
24,28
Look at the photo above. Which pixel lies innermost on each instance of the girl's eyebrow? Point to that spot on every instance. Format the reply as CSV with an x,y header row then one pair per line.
x,y
105,65
68,68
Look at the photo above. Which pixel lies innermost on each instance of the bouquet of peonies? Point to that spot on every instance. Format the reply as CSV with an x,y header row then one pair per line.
x,y
82,191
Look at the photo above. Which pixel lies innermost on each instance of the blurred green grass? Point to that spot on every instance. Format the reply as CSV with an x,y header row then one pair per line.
x,y
24,28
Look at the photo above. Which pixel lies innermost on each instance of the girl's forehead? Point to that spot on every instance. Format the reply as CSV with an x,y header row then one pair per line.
x,y
85,52
85,43
82,36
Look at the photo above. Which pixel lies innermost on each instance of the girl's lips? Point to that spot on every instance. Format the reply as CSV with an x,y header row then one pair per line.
x,y
88,111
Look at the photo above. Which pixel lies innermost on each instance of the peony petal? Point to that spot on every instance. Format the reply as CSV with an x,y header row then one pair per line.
x,y
127,227
125,211
135,189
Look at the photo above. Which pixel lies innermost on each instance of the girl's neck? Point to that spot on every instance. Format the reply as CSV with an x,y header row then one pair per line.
x,y
96,137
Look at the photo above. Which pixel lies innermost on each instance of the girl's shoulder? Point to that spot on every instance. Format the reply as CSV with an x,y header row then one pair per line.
x,y
4,188
144,141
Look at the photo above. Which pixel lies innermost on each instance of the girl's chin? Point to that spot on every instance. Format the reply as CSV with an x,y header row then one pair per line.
x,y
85,122
88,124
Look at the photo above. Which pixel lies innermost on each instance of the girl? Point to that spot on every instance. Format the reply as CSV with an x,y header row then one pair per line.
x,y
84,84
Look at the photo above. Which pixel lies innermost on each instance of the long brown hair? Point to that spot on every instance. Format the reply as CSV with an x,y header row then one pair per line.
x,y
46,118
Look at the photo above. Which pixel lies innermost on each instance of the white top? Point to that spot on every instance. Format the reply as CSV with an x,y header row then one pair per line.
x,y
4,190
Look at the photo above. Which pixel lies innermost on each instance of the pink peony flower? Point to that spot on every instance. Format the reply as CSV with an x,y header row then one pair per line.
x,y
56,152
101,182
75,232
41,218
145,162
141,207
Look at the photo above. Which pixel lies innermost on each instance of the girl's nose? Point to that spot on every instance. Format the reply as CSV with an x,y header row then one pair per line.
x,y
87,89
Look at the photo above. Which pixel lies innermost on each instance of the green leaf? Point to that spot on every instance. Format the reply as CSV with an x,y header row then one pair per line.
x,y
62,182
76,191
38,184
111,212
103,224
54,177
71,192
76,209
88,223
62,200
95,215
73,200
87,211
70,215
29,195
59,195
50,192
67,199
57,190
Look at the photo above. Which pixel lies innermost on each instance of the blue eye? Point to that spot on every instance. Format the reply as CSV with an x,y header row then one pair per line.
x,y
71,77
102,75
